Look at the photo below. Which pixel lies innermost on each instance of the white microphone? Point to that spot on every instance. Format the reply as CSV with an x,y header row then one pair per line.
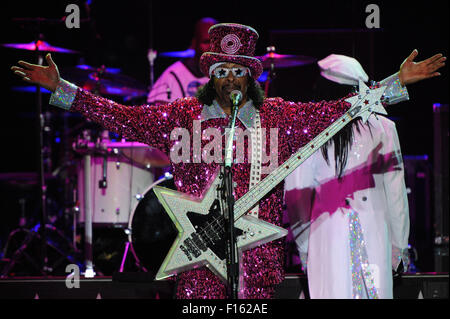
x,y
236,97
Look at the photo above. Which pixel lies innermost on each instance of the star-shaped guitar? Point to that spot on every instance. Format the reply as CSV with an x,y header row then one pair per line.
x,y
201,238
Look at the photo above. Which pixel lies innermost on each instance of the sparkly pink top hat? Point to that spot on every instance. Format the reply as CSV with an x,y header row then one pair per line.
x,y
231,42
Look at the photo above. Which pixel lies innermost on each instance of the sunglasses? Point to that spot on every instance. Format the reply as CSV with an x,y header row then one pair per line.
x,y
223,72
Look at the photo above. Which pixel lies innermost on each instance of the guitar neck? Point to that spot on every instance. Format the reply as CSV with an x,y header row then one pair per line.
x,y
255,194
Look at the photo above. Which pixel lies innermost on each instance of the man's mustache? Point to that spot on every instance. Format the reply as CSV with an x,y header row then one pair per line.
x,y
227,87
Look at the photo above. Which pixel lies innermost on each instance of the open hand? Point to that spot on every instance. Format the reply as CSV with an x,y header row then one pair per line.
x,y
45,76
412,72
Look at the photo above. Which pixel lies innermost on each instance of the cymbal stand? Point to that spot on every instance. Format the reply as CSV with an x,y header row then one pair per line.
x,y
42,184
89,272
151,55
271,76
21,253
128,231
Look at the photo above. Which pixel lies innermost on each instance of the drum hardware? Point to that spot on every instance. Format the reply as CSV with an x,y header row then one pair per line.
x,y
29,89
119,173
271,75
75,214
102,183
107,82
151,52
104,138
104,81
20,252
189,53
167,176
22,249
89,272
128,230
272,61
151,55
282,61
40,46
137,154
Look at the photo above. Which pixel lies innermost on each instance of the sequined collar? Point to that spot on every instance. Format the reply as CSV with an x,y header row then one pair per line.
x,y
246,113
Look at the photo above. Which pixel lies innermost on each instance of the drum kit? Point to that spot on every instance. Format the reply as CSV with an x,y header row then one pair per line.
x,y
113,177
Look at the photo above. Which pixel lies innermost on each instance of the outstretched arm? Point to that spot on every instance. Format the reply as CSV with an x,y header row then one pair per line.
x,y
321,115
45,76
412,72
143,123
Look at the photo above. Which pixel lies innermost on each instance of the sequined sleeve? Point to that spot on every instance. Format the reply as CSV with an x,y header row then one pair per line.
x,y
64,95
143,123
395,91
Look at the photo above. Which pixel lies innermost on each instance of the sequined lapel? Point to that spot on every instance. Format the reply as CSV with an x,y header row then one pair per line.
x,y
246,114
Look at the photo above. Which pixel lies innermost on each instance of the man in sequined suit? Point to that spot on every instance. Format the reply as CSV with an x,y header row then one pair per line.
x,y
231,65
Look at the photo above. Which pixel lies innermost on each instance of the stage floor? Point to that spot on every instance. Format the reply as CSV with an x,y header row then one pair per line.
x,y
137,286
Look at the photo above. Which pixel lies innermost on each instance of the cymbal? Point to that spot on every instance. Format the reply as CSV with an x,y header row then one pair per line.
x,y
263,77
105,81
106,88
39,20
45,21
146,156
281,61
135,152
23,180
189,53
29,89
23,176
93,69
39,45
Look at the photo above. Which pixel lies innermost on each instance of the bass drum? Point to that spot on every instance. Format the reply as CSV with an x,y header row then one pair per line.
x,y
152,230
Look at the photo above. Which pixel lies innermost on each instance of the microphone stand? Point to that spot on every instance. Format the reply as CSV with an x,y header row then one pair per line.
x,y
232,259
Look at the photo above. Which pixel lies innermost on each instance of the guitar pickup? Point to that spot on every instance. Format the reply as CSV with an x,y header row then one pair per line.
x,y
353,112
198,241
192,248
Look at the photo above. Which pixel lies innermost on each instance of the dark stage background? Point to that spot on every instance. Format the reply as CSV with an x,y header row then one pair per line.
x,y
120,33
